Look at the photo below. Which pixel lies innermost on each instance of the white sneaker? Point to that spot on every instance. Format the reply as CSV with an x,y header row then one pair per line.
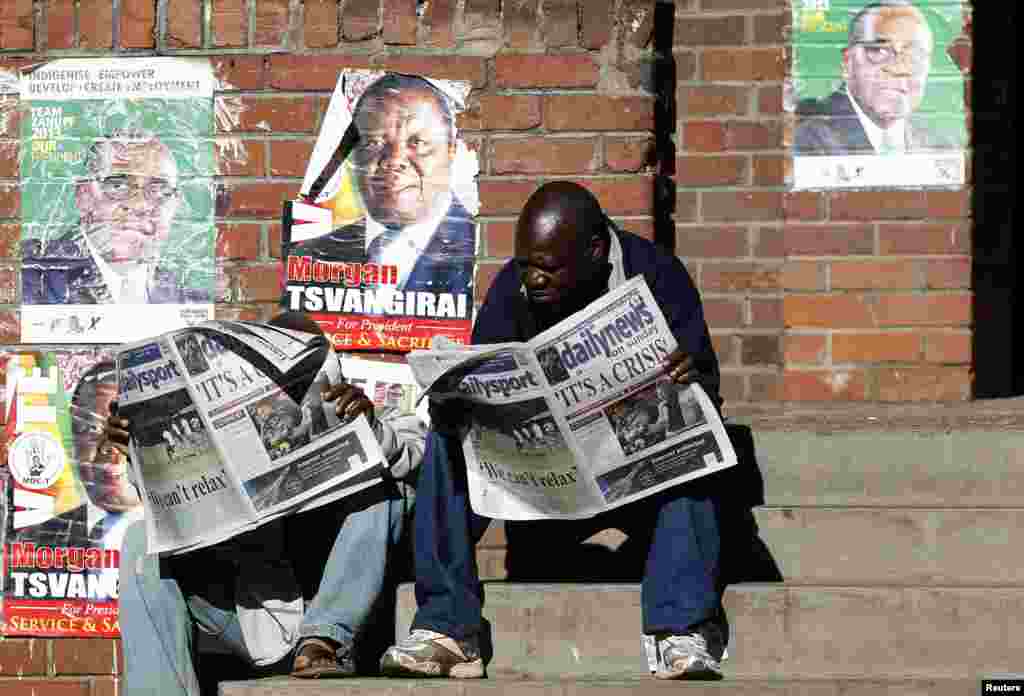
x,y
426,653
695,655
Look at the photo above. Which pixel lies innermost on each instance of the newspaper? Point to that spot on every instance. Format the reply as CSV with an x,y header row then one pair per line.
x,y
581,419
229,430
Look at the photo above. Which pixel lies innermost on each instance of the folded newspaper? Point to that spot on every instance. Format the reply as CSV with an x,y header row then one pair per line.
x,y
582,418
229,430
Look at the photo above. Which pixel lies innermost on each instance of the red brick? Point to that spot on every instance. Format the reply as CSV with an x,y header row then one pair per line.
x,y
10,237
803,275
804,206
9,159
8,285
725,347
400,22
253,312
270,23
809,349
951,348
733,277
636,17
769,100
260,199
238,241
107,686
96,23
624,195
543,155
500,239
290,157
769,242
703,136
771,29
924,383
824,385
239,72
503,197
641,228
22,656
238,157
758,349
138,23
16,21
878,205
948,204
595,112
10,201
360,19
769,170
629,154
10,114
259,283
10,330
686,65
827,311
49,687
184,23
924,238
711,171
596,24
829,240
485,273
711,242
927,309
686,206
722,313
743,65
710,31
765,386
560,25
875,347
765,313
60,24
733,387
530,70
468,68
229,22
84,656
712,100
274,240
440,15
881,275
753,135
723,206
481,20
278,114
509,112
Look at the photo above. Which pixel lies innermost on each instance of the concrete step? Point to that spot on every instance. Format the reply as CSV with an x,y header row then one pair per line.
x,y
865,546
642,685
778,632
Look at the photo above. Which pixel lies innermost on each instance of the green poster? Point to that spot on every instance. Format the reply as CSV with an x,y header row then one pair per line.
x,y
878,97
117,198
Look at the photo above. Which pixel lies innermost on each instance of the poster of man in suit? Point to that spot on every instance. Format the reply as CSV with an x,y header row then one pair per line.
x,y
877,95
117,198
381,247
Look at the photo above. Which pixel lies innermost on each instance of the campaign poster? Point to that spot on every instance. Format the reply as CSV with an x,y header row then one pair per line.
x,y
117,198
380,247
877,96
68,499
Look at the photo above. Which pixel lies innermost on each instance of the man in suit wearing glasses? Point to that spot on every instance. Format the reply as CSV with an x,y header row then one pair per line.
x,y
885,69
126,203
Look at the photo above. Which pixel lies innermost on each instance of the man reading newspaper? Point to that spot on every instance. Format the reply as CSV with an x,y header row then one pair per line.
x,y
245,596
567,255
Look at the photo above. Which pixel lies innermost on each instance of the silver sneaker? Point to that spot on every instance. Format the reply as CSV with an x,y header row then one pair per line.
x,y
426,653
695,655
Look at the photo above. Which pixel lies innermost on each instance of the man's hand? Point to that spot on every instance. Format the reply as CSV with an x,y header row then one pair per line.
x,y
350,402
448,417
679,367
117,431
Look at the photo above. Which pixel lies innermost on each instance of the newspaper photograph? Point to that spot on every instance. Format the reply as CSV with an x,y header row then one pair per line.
x,y
582,418
229,430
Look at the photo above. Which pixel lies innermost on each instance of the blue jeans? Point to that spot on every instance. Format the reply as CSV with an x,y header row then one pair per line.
x,y
170,611
682,584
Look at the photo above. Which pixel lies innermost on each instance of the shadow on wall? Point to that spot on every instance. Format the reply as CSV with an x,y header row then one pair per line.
x,y
664,125
998,253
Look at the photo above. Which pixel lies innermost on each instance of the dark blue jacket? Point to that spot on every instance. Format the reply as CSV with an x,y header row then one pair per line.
x,y
505,314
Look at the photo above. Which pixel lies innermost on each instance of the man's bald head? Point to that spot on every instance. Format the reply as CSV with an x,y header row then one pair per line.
x,y
296,321
562,248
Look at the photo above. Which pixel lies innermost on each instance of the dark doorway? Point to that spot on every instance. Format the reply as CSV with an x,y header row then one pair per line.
x,y
998,251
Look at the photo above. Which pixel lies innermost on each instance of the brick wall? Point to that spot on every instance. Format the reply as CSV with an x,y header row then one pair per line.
x,y
810,296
